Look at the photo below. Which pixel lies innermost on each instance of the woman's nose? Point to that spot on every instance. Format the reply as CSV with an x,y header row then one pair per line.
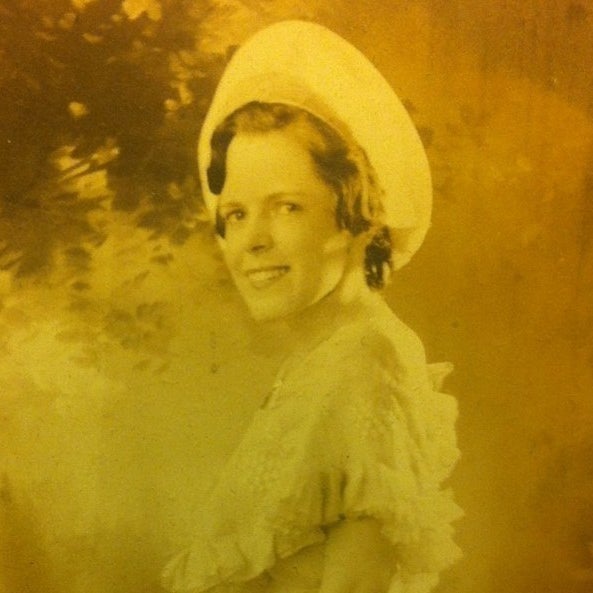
x,y
260,237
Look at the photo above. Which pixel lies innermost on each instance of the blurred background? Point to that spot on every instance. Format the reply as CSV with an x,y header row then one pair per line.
x,y
128,368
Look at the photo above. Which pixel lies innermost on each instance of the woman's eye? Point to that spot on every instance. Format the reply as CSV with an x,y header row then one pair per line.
x,y
234,215
289,207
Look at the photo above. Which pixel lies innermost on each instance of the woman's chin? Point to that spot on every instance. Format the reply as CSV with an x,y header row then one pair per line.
x,y
269,312
288,307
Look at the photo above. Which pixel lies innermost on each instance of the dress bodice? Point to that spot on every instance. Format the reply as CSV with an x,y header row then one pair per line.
x,y
355,427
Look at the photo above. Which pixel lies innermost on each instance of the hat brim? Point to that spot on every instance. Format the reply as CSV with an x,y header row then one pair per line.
x,y
308,66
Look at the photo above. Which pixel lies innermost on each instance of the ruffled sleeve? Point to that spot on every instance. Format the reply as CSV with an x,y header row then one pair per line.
x,y
358,429
384,443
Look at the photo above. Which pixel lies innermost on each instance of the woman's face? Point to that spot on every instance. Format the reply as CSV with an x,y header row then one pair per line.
x,y
282,243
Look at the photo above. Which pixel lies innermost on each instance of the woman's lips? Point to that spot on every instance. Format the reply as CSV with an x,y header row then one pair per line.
x,y
265,276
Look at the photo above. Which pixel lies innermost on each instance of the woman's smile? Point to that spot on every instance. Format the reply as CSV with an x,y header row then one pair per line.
x,y
267,276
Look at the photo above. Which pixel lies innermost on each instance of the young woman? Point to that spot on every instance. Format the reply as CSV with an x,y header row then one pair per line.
x,y
319,187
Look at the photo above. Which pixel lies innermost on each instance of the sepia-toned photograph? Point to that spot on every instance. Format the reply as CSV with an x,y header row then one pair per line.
x,y
296,296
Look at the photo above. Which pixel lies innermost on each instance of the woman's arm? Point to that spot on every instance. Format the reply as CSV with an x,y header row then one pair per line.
x,y
358,558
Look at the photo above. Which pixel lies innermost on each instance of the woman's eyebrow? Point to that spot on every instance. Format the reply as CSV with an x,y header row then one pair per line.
x,y
288,193
229,205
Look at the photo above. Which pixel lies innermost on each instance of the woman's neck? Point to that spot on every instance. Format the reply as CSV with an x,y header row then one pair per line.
x,y
350,301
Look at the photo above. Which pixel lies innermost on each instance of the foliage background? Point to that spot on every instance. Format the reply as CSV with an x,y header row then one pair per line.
x,y
128,367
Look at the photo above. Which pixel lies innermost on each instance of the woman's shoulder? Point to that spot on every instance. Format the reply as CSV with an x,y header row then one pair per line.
x,y
380,340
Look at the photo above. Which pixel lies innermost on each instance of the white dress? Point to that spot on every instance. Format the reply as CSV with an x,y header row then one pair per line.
x,y
354,428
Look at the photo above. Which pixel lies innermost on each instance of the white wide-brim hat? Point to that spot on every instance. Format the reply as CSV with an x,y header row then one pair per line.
x,y
305,65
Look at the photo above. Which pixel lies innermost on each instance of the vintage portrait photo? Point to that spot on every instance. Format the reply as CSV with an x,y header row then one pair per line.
x,y
296,296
